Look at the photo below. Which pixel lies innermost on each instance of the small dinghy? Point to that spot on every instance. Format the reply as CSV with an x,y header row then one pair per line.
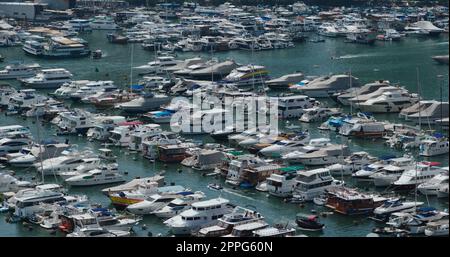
x,y
320,200
308,222
296,199
214,186
97,54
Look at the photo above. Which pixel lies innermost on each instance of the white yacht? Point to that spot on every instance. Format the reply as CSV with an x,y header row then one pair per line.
x,y
25,99
179,205
344,97
67,162
19,70
433,147
11,145
141,134
327,85
48,78
294,106
29,203
297,143
432,186
414,177
78,121
388,102
102,175
67,89
99,232
313,183
121,135
330,154
316,114
156,66
395,205
351,163
88,164
204,213
282,185
93,87
101,22
204,159
145,103
79,25
437,228
389,168
249,75
382,87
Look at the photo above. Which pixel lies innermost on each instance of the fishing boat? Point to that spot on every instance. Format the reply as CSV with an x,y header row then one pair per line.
x,y
309,222
351,202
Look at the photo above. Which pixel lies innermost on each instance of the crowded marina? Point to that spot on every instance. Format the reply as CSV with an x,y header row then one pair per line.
x,y
115,121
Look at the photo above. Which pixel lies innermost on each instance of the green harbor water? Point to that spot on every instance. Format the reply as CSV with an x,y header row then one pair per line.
x,y
393,61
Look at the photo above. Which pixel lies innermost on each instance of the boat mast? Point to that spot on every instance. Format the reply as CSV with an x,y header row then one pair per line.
x,y
40,148
131,67
440,80
418,92
350,78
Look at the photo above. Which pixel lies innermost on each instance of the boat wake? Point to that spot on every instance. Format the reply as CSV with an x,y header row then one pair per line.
x,y
240,195
351,56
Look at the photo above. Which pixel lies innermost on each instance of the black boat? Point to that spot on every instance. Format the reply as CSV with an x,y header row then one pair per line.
x,y
309,222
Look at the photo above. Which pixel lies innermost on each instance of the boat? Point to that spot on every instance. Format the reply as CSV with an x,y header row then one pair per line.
x,y
284,81
432,186
326,86
18,70
344,97
249,75
98,232
228,222
443,59
313,183
29,203
144,103
428,112
97,54
121,135
106,154
443,191
437,228
394,205
320,200
362,128
87,165
277,231
283,184
101,22
37,152
203,213
12,145
316,114
218,71
77,121
361,37
294,106
117,39
99,176
178,205
434,146
204,159
140,134
350,164
57,47
9,183
423,172
388,102
348,201
156,66
68,161
67,89
308,222
90,88
326,155
214,186
48,78
247,229
424,27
